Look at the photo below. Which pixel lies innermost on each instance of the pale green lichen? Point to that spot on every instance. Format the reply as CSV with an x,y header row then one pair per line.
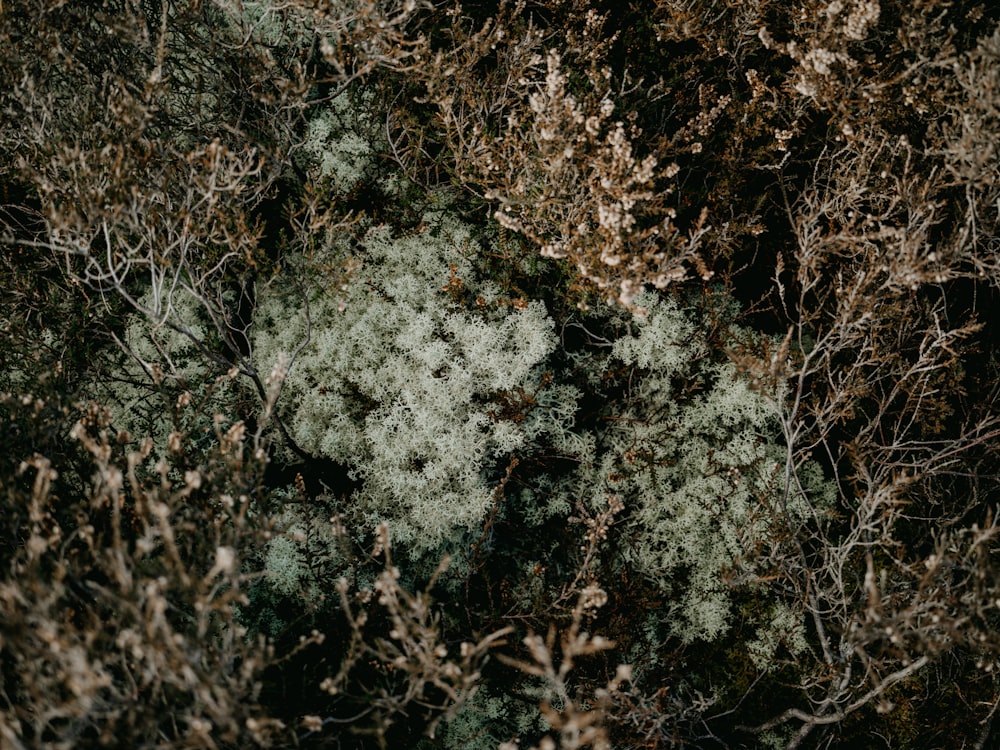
x,y
781,626
694,455
304,552
338,147
486,721
398,384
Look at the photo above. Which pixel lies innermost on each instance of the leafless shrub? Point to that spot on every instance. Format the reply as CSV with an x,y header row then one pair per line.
x,y
578,721
420,671
871,367
153,135
119,607
562,165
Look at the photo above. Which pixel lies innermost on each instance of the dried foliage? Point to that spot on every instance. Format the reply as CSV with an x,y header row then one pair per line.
x,y
812,190
426,676
555,155
575,725
118,621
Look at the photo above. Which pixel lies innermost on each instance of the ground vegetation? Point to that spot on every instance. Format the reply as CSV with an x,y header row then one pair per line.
x,y
549,374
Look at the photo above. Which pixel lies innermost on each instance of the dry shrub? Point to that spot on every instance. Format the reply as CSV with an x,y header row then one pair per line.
x,y
119,602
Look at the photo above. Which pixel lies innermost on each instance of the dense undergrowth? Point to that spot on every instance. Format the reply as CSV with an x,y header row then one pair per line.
x,y
533,374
